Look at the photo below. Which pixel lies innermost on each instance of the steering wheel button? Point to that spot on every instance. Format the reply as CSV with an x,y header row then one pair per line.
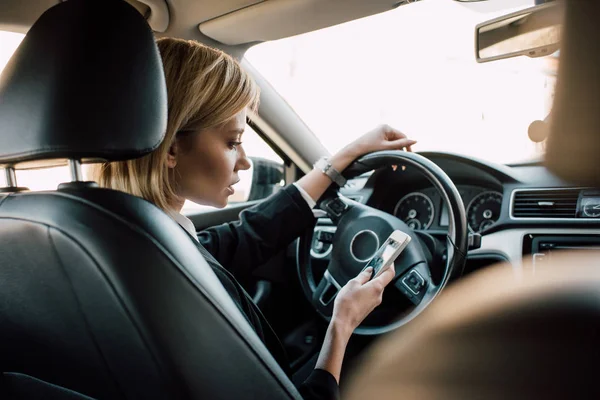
x,y
403,289
325,237
414,282
336,207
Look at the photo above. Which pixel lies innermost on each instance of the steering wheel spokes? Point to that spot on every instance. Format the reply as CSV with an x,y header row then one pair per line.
x,y
325,294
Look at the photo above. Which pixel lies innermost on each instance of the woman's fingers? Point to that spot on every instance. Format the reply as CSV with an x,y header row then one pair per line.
x,y
401,143
360,296
384,278
387,275
364,276
393,133
396,139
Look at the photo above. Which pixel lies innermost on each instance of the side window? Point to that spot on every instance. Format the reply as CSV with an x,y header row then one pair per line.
x,y
43,179
264,177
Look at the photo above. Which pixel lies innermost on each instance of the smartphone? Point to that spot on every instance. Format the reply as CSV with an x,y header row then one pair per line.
x,y
388,252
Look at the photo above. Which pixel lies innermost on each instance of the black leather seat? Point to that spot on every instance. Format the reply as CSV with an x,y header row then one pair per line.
x,y
101,293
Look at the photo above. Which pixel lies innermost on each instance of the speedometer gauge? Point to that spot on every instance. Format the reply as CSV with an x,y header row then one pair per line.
x,y
484,210
416,210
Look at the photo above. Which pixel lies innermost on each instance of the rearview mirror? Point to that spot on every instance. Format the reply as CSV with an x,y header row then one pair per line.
x,y
533,32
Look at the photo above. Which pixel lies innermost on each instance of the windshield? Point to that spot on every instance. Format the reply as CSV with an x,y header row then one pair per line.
x,y
414,68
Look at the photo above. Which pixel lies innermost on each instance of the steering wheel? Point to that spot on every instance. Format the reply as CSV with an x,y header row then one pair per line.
x,y
362,229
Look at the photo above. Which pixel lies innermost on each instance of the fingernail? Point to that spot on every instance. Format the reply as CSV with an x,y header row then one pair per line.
x,y
369,269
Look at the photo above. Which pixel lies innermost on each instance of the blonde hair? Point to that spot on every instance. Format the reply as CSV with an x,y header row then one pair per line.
x,y
205,88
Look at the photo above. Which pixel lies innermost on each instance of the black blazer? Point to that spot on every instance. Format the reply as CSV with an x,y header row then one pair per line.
x,y
236,249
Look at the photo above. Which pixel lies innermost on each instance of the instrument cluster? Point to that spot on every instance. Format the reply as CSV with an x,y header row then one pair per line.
x,y
424,209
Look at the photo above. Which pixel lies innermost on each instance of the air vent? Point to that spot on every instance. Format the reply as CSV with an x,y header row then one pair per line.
x,y
545,203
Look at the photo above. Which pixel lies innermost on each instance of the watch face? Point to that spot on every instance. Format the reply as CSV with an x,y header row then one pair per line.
x,y
325,166
591,207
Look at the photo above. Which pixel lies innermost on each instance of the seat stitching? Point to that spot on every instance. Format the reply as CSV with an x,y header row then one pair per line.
x,y
3,199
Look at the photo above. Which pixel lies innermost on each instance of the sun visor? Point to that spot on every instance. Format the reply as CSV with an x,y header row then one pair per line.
x,y
573,150
276,19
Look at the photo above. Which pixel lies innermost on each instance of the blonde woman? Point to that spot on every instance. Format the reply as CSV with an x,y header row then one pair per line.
x,y
199,159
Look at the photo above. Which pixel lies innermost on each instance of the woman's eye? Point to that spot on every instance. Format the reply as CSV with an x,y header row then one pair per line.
x,y
234,145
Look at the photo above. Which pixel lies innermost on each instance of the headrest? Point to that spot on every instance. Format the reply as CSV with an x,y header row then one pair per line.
x,y
573,147
85,83
497,334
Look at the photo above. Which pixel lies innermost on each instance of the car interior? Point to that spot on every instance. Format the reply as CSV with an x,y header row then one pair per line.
x,y
104,296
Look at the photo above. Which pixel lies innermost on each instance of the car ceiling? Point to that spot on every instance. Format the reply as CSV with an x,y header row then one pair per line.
x,y
234,25
229,22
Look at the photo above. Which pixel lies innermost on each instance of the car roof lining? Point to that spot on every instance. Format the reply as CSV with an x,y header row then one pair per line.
x,y
224,22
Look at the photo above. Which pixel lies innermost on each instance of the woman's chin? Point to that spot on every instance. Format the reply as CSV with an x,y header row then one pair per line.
x,y
222,202
218,202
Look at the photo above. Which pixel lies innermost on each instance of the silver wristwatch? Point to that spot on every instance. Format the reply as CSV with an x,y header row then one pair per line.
x,y
325,166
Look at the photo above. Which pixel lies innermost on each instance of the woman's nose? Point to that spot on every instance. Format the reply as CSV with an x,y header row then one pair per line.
x,y
243,162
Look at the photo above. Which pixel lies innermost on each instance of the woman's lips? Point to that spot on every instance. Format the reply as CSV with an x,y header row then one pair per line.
x,y
230,188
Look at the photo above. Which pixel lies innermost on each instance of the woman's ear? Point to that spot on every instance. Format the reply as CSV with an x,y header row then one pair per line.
x,y
172,155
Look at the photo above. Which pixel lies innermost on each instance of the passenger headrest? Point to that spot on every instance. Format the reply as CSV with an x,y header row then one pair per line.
x,y
573,150
85,83
501,333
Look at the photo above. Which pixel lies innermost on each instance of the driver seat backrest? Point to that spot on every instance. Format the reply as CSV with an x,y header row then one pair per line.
x,y
102,295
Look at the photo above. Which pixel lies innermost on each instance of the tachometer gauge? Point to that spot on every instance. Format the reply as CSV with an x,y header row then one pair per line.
x,y
416,210
483,211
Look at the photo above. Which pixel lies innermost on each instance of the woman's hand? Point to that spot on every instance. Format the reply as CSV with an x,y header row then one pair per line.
x,y
384,137
358,298
352,304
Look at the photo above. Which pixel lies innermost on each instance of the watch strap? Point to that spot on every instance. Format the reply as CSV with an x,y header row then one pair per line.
x,y
324,165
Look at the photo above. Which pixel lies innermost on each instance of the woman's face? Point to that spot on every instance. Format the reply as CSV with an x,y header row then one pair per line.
x,y
205,164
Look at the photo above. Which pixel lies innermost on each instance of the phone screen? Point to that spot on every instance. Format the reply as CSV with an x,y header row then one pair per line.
x,y
383,257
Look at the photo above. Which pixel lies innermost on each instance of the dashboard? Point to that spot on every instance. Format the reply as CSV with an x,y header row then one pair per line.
x,y
521,211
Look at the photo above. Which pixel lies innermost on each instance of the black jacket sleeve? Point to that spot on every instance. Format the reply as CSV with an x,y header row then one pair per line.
x,y
260,233
320,385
